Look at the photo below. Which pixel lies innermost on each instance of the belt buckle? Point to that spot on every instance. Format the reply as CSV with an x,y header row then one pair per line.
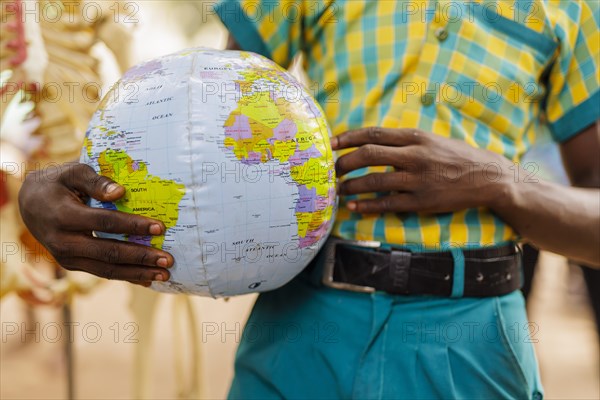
x,y
329,264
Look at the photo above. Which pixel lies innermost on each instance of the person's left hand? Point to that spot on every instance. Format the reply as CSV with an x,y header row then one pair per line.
x,y
431,173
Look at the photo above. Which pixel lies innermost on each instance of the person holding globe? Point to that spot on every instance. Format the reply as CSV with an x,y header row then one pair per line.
x,y
434,104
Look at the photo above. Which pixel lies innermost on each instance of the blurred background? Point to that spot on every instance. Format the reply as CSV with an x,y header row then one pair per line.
x,y
117,341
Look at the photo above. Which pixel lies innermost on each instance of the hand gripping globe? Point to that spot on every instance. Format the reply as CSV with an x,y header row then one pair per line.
x,y
232,154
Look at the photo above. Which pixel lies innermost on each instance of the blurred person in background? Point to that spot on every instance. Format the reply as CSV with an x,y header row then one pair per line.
x,y
416,294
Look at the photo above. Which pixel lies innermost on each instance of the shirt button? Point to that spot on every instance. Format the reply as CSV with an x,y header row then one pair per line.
x,y
427,99
441,34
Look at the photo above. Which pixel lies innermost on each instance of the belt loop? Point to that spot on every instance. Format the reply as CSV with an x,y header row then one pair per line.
x,y
458,278
520,266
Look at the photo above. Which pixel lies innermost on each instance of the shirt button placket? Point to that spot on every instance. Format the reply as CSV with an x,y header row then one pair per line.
x,y
427,99
441,34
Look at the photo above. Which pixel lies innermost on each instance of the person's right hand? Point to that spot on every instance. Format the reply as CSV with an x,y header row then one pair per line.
x,y
53,206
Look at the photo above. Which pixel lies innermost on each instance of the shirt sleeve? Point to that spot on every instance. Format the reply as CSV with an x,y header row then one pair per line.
x,y
573,101
270,28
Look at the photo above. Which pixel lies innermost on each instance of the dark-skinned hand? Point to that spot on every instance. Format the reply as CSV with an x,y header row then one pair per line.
x,y
53,206
430,173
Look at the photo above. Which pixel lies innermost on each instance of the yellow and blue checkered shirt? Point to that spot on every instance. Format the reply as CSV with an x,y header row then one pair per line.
x,y
492,73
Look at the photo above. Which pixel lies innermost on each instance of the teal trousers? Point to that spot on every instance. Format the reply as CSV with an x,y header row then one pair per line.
x,y
306,341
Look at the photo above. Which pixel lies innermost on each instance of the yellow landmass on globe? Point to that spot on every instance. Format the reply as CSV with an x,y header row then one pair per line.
x,y
260,107
311,221
283,150
145,195
314,173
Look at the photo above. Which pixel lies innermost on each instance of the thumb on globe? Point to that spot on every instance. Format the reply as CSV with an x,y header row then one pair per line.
x,y
113,191
86,180
107,190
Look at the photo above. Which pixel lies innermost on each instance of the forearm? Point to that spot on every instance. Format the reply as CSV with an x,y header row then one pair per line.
x,y
564,220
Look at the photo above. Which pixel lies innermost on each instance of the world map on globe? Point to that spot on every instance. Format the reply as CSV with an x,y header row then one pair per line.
x,y
231,153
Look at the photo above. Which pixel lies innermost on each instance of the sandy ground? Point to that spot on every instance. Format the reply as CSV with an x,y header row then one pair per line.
x,y
105,337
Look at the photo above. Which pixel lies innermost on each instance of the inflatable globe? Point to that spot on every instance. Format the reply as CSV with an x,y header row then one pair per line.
x,y
232,154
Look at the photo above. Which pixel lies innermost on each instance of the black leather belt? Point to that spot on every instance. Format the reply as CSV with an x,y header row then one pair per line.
x,y
365,267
